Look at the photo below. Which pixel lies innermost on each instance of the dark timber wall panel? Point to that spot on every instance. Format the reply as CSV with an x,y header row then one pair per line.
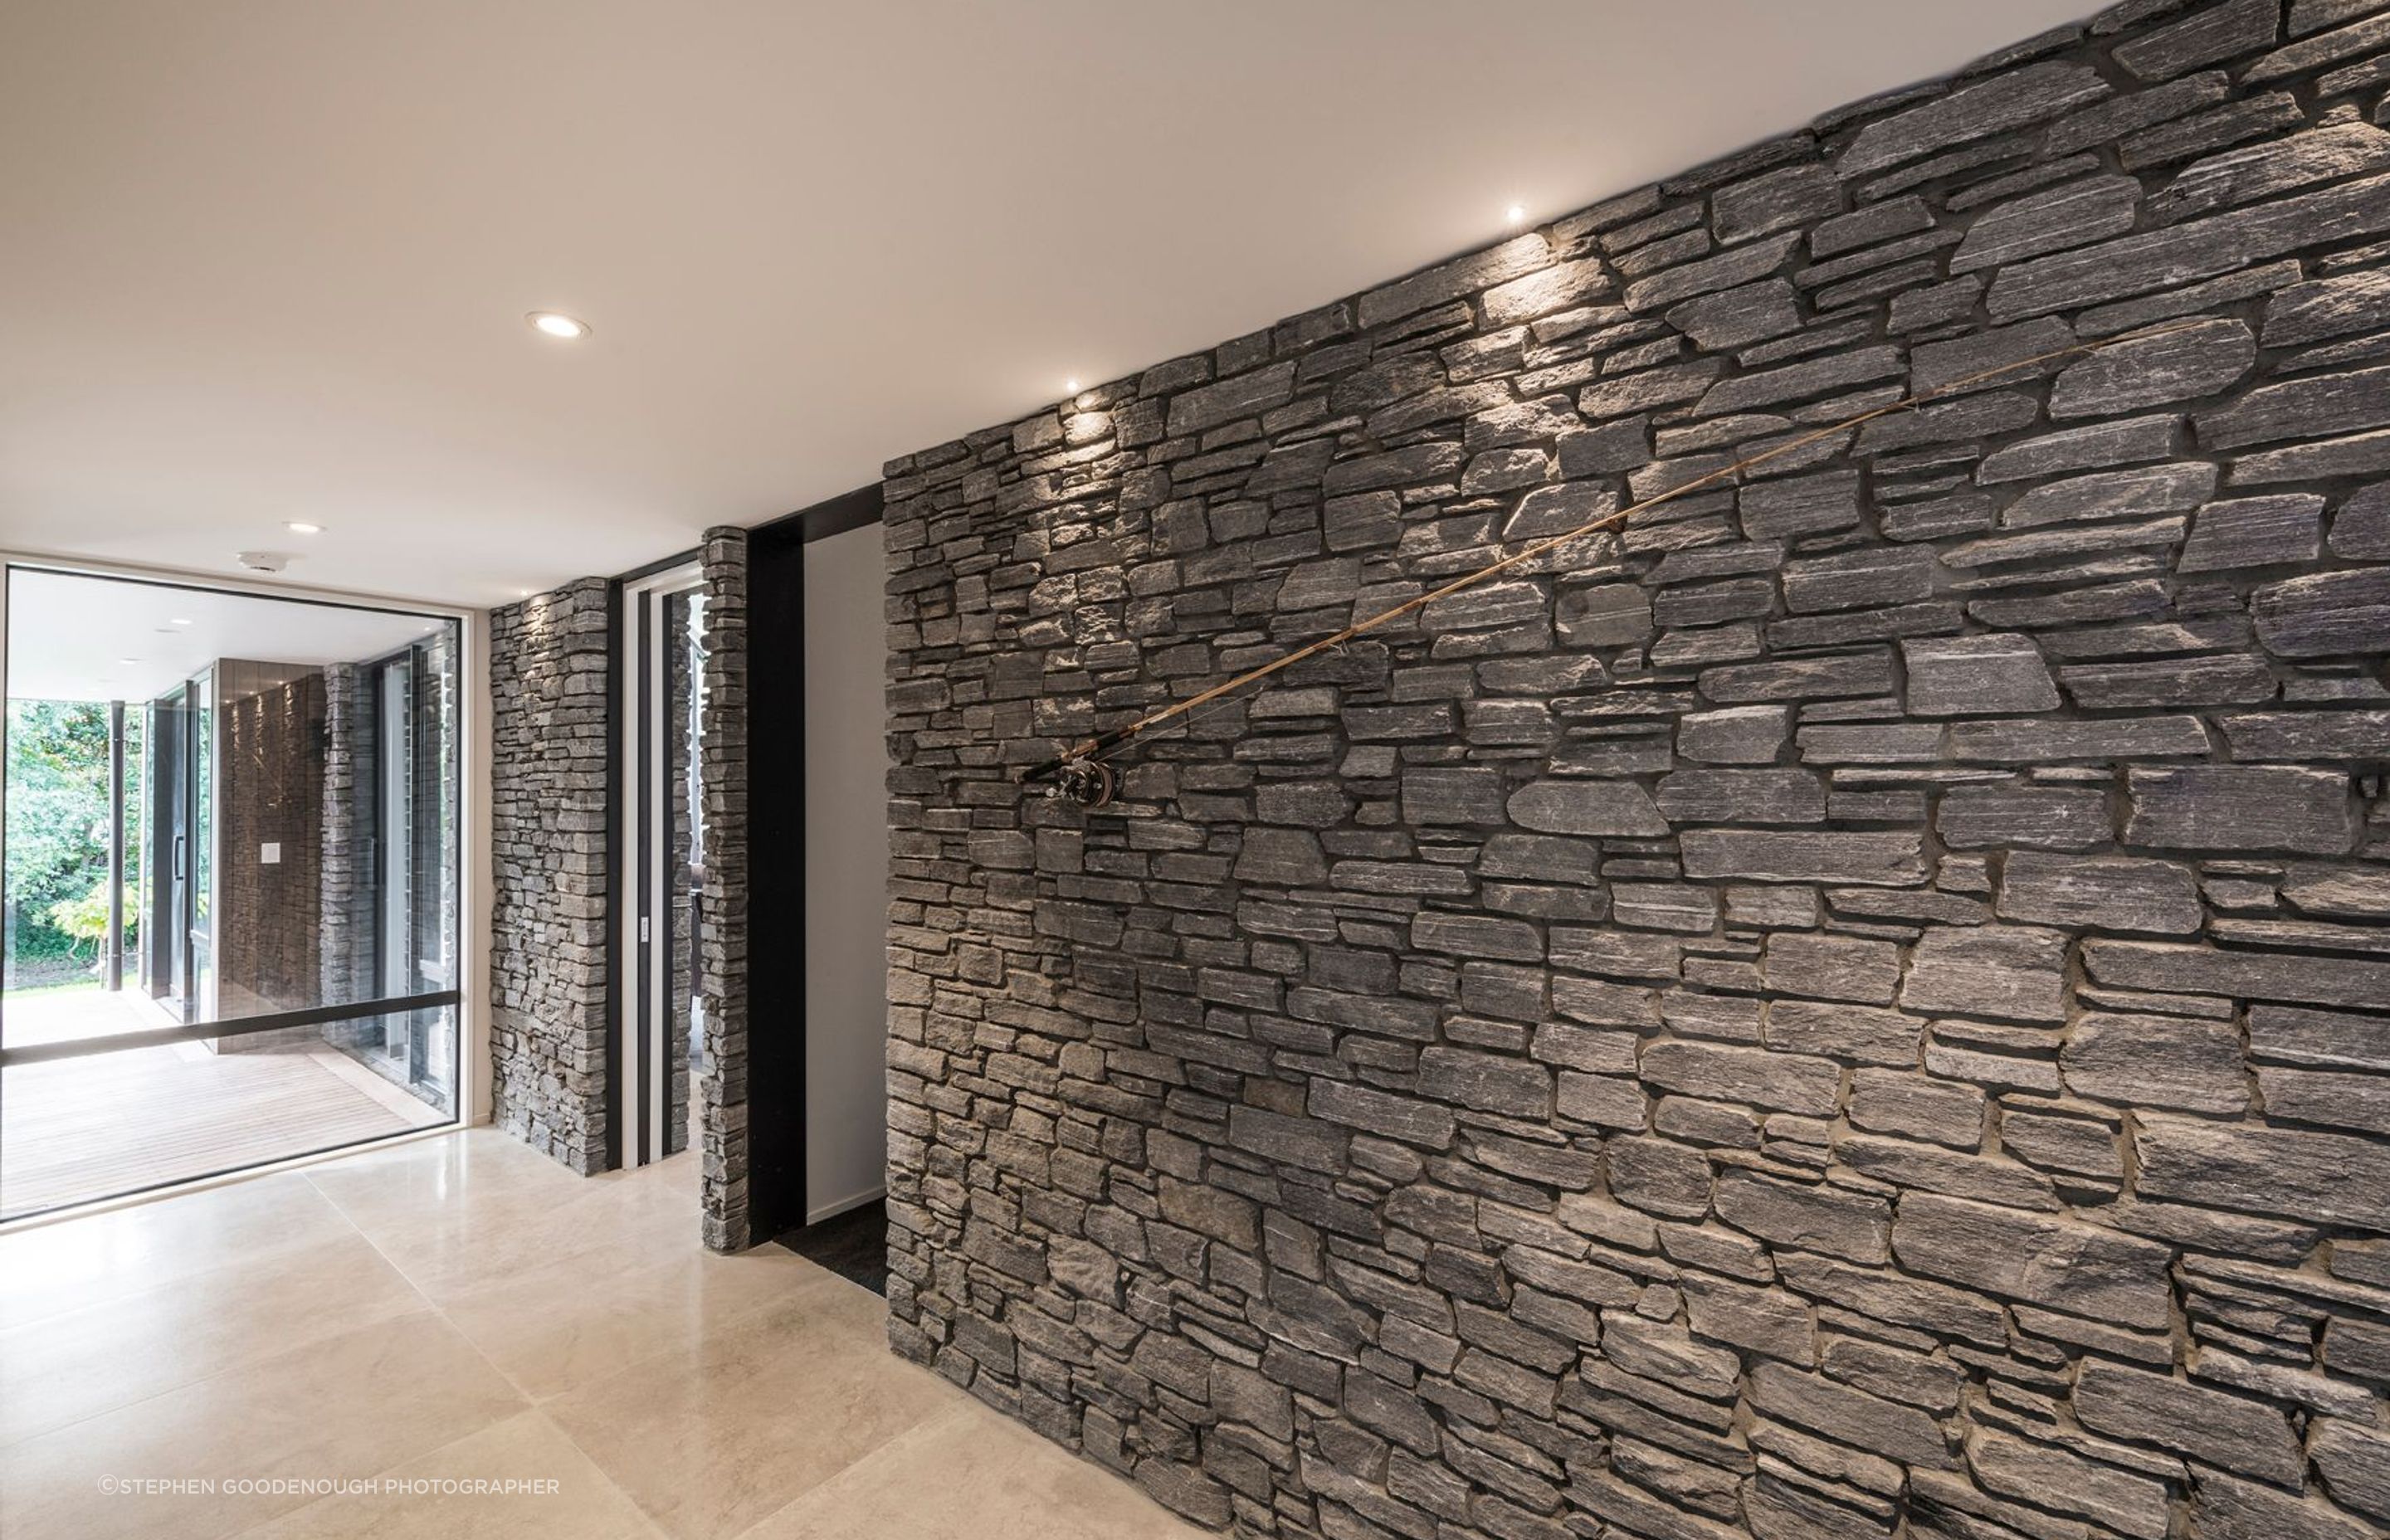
x,y
1858,1002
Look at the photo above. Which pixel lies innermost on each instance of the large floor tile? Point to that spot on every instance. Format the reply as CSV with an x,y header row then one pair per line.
x,y
75,1262
477,1173
67,1366
347,1406
610,1223
711,1438
969,1471
572,1323
416,1500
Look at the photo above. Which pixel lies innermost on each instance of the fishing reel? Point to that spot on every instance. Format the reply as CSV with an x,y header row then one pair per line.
x,y
1087,783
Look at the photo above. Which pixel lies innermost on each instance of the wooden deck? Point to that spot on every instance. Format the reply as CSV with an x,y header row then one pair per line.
x,y
80,1129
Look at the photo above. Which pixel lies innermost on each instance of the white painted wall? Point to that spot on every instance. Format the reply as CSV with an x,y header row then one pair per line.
x,y
846,874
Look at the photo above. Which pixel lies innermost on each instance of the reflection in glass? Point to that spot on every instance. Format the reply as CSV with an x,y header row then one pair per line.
x,y
286,827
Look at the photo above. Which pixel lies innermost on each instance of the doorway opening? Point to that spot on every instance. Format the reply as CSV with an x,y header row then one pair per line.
x,y
661,838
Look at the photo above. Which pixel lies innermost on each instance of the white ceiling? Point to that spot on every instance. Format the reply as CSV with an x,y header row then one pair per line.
x,y
270,260
87,638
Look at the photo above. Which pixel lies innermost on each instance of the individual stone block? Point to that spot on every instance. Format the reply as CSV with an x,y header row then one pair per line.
x,y
2217,32
2360,531
1741,796
2009,816
2087,447
1453,795
2327,307
2314,1177
1448,281
2047,1477
2311,733
2238,807
2223,1508
1857,1033
2075,214
1244,395
2034,742
2138,493
2076,1145
2010,972
2220,1430
1853,580
2359,983
2105,893
1831,968
1893,859
1736,317
2198,360
1614,808
1827,676
2325,614
2082,1269
1774,200
1490,1083
2156,1061
1902,1434
2355,1463
1659,1176
1734,735
1718,1072
2269,170
1777,510
1756,260
1976,675
1839,1221
2307,407
2003,102
2253,532
1917,1107
1765,1321
2228,679
1476,936
1383,1112
1606,614
2355,455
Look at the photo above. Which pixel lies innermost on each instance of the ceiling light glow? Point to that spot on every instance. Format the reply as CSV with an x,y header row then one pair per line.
x,y
549,322
1516,213
300,526
1071,386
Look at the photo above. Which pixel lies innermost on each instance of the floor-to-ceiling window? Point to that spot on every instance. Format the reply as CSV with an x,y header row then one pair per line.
x,y
232,882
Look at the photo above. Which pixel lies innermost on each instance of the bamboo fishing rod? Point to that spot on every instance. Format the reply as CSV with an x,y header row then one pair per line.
x,y
1091,751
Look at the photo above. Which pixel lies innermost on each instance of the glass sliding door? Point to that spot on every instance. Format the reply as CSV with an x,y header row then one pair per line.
x,y
287,832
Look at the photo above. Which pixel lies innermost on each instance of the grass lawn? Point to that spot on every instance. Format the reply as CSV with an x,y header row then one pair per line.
x,y
69,987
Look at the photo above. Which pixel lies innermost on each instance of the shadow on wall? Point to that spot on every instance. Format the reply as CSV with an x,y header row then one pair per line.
x,y
1853,1001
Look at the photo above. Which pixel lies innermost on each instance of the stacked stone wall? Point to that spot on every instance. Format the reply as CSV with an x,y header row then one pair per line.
x,y
722,958
1856,1005
550,768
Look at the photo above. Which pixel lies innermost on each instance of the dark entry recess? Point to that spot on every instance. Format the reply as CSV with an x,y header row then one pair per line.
x,y
775,857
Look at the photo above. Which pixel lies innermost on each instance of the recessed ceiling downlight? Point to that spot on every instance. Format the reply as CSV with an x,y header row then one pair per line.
x,y
300,526
551,323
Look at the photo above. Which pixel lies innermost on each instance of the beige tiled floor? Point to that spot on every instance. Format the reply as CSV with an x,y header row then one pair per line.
x,y
461,1311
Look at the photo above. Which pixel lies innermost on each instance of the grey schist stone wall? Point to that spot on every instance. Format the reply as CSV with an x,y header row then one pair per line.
x,y
722,962
549,766
1859,1003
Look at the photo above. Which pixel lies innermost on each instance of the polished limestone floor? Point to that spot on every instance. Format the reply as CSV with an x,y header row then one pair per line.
x,y
430,1321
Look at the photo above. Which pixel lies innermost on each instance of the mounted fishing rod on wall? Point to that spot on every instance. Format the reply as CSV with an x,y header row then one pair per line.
x,y
1083,776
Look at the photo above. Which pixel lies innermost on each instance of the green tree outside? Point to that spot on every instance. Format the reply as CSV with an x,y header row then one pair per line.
x,y
58,830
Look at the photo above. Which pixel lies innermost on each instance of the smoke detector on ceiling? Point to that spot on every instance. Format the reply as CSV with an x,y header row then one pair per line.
x,y
262,561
